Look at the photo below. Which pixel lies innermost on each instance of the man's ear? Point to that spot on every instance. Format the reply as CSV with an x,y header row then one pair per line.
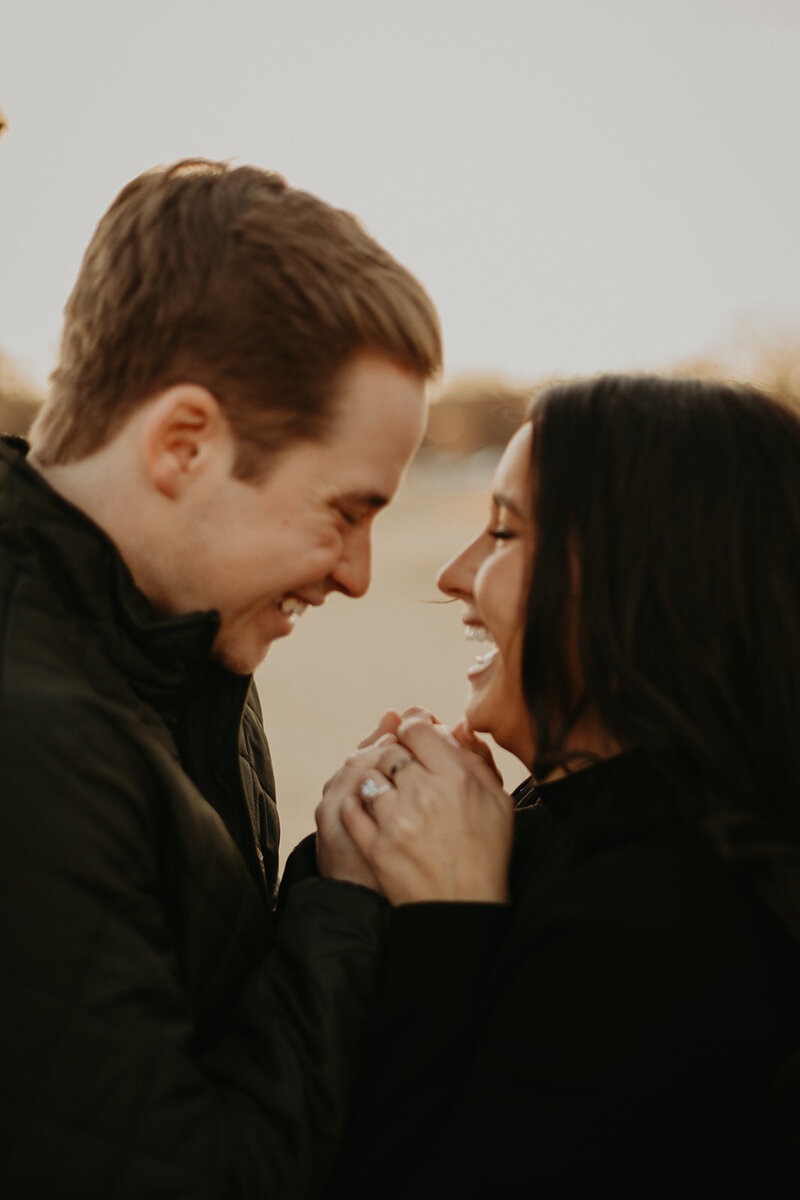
x,y
183,434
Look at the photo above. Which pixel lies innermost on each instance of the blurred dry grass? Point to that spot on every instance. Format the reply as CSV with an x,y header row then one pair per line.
x,y
19,398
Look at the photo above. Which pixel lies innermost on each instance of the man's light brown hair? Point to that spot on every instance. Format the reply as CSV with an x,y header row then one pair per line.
x,y
229,278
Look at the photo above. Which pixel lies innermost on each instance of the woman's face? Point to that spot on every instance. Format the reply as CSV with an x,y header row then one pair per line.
x,y
490,576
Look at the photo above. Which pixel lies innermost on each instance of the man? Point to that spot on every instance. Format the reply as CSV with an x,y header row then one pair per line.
x,y
239,391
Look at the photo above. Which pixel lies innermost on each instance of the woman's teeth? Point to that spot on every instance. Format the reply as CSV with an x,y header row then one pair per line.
x,y
292,608
478,633
483,662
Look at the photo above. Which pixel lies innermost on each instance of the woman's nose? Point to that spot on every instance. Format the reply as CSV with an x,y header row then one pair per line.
x,y
456,576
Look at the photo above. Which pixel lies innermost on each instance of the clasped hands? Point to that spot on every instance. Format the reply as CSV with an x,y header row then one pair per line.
x,y
418,812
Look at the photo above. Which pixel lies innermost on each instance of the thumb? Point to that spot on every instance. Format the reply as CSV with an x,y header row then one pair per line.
x,y
467,738
389,723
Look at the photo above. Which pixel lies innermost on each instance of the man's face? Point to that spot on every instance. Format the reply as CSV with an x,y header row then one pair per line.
x,y
262,551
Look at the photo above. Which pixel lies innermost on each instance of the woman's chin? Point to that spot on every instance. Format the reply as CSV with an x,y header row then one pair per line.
x,y
516,742
475,718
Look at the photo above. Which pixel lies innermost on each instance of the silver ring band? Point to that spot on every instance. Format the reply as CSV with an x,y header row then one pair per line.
x,y
398,766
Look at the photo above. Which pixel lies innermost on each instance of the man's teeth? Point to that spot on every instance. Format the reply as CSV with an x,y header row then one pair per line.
x,y
292,608
478,633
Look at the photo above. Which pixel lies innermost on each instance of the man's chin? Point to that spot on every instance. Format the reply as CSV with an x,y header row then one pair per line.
x,y
240,660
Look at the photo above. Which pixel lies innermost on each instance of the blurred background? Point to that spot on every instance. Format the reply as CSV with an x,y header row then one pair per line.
x,y
581,186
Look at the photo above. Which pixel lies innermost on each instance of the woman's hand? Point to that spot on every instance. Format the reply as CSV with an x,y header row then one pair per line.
x,y
338,856
466,736
462,731
429,819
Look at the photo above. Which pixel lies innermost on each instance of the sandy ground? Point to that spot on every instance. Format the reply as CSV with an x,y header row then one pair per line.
x,y
326,685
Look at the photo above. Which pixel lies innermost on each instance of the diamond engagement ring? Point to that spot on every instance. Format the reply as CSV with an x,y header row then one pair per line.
x,y
369,789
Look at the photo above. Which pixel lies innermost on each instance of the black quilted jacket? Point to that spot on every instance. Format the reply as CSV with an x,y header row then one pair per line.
x,y
162,1035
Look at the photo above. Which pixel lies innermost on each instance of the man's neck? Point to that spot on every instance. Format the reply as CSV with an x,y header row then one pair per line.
x,y
103,488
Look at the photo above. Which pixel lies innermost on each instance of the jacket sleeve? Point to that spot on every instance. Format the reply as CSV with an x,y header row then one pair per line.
x,y
110,1091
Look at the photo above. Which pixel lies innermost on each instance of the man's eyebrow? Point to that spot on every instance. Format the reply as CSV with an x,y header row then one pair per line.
x,y
372,500
506,502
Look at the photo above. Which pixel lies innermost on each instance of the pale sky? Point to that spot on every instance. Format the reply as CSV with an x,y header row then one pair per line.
x,y
580,184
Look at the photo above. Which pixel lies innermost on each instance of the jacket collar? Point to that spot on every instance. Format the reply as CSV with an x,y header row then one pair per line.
x,y
161,657
638,784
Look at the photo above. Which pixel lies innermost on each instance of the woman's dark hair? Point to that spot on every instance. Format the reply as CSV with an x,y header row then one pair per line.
x,y
667,529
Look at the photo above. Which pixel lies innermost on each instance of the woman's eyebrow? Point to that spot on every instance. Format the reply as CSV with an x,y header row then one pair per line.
x,y
506,502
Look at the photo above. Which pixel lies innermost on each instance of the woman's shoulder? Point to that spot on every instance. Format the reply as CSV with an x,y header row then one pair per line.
x,y
622,851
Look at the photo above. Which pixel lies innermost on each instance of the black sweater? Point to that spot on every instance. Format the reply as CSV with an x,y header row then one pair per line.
x,y
620,1027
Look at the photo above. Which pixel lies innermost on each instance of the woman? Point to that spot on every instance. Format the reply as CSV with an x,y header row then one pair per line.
x,y
628,1021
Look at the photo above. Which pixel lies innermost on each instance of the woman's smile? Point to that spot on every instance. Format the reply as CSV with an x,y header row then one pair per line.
x,y
490,577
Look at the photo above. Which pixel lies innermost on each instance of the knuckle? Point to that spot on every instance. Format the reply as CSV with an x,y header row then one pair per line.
x,y
410,725
347,808
333,784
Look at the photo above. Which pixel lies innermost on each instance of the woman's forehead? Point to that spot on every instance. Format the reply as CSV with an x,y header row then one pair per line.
x,y
512,477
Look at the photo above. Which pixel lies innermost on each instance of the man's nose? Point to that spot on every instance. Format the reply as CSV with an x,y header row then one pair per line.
x,y
354,569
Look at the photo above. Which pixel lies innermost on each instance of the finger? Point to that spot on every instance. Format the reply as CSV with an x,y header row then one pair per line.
x,y
350,774
466,737
394,760
367,756
387,725
328,816
441,755
464,734
338,857
438,729
435,748
422,714
372,785
360,826
489,777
